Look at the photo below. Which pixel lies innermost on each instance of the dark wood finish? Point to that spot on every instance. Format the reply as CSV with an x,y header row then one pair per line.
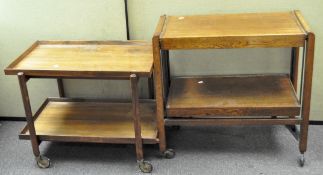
x,y
60,85
247,30
307,89
85,59
135,115
158,77
229,122
28,112
91,120
243,95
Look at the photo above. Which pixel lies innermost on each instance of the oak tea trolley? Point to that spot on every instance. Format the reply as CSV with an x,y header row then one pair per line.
x,y
89,120
268,99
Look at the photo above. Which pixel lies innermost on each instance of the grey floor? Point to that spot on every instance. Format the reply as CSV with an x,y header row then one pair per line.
x,y
248,150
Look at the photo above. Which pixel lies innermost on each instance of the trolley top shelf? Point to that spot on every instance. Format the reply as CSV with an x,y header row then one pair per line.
x,y
247,30
85,59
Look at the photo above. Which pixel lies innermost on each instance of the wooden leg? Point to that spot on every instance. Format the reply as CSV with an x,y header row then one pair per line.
x,y
30,122
159,94
42,161
144,166
136,117
307,88
60,87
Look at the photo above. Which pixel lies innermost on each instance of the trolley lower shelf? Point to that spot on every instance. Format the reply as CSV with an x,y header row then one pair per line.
x,y
240,95
79,120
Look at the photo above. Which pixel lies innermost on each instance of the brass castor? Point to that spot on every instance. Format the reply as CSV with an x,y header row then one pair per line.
x,y
301,160
169,154
145,166
42,161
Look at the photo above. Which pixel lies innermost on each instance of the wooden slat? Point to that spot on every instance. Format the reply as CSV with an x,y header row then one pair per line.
x,y
94,121
87,59
247,30
249,95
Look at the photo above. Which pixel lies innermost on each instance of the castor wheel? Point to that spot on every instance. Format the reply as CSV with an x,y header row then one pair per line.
x,y
169,154
43,162
145,166
301,160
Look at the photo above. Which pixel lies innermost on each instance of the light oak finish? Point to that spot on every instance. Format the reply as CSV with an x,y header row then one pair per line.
x,y
247,30
93,121
85,59
260,95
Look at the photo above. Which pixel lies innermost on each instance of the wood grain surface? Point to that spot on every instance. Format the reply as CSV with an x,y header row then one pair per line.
x,y
85,58
249,95
96,119
247,30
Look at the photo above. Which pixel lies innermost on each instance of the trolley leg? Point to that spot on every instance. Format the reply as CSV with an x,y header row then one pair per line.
x,y
160,94
60,87
307,88
42,161
144,166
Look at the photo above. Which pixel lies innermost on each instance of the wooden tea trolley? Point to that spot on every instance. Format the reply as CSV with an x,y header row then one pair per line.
x,y
89,120
268,99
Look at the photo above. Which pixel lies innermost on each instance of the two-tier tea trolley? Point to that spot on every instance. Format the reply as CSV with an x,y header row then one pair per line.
x,y
89,120
266,99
